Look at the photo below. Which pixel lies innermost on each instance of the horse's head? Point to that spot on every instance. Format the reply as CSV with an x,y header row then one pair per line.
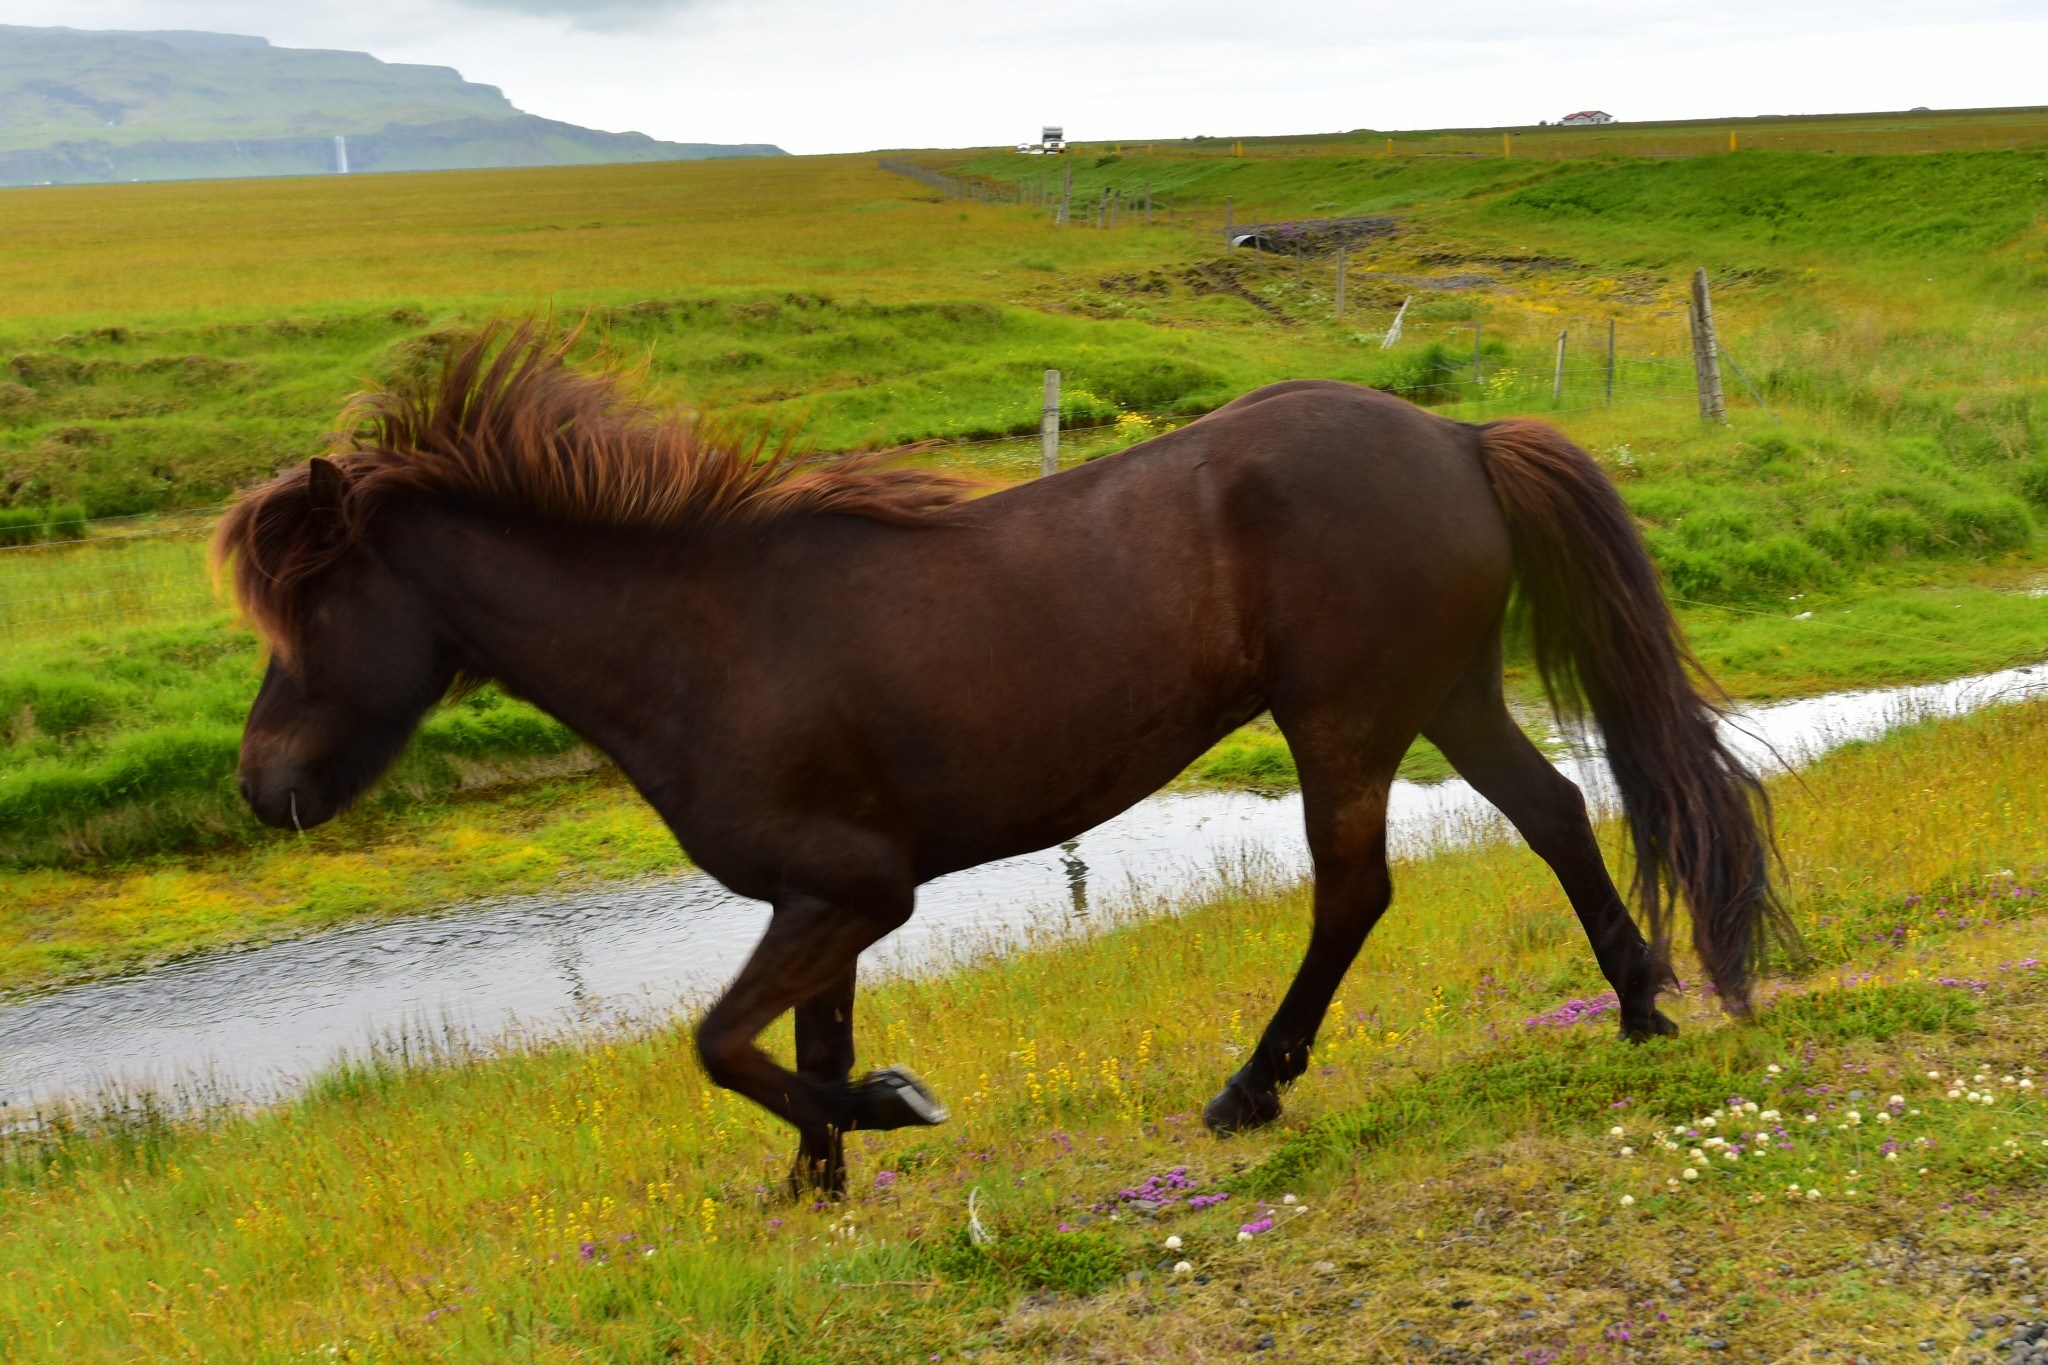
x,y
357,657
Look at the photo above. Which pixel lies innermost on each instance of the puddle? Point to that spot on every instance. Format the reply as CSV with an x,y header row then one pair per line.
x,y
256,1022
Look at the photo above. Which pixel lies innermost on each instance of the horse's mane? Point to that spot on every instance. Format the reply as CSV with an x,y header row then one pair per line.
x,y
510,424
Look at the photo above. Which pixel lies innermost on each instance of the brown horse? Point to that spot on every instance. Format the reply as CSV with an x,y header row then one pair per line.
x,y
838,680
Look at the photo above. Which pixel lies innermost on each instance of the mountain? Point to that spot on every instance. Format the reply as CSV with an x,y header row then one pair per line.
x,y
79,107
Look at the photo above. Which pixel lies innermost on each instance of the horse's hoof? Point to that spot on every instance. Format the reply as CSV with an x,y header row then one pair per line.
x,y
1657,1026
1239,1109
816,1180
893,1098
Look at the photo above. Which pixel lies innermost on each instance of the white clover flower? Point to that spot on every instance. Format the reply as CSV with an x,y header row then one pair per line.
x,y
1628,1201
1289,1199
1883,1117
1855,1117
1616,1131
1769,1116
1792,1188
1183,1267
1678,1128
1628,1151
1672,1182
1691,1174
1973,1097
1730,1156
1813,1118
1709,1121
1990,1098
1698,1155
1243,1236
1891,1156
1934,1075
2026,1083
1173,1243
1813,1194
1955,1094
1749,1107
1772,1068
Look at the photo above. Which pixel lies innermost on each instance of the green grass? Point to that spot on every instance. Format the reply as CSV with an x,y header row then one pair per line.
x,y
1882,524
125,742
1448,1154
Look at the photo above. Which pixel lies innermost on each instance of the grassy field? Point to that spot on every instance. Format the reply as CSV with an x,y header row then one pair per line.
x,y
166,344
1472,1164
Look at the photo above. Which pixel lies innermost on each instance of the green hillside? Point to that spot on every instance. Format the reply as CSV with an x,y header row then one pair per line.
x,y
79,107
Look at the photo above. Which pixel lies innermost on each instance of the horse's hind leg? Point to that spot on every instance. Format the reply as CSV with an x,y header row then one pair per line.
x,y
1480,738
1347,833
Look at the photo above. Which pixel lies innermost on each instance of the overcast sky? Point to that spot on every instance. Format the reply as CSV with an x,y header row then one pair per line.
x,y
840,75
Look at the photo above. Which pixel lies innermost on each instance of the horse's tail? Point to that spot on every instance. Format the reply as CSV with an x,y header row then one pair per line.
x,y
1605,638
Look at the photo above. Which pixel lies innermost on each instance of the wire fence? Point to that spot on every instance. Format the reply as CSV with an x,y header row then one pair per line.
x,y
149,569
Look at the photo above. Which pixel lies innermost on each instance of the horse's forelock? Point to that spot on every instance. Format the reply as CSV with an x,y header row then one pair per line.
x,y
271,543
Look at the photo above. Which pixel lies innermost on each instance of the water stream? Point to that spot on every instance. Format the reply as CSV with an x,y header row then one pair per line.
x,y
256,1022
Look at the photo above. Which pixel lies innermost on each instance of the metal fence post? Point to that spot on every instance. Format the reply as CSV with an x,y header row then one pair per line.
x,y
1557,379
1610,362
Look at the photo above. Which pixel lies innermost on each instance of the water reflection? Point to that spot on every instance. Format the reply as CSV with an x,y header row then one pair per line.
x,y
1077,876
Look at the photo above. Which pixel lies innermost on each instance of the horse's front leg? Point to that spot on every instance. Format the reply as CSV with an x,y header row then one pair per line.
x,y
824,1056
806,961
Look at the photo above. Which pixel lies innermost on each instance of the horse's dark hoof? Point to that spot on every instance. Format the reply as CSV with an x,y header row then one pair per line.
x,y
893,1098
1657,1026
810,1179
1239,1109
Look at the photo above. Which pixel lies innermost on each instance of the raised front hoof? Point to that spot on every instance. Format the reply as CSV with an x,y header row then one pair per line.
x,y
893,1098
1656,1026
1239,1109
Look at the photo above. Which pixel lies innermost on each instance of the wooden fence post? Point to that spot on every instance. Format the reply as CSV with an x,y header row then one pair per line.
x,y
1557,377
1610,362
1116,201
1706,362
1049,427
1342,258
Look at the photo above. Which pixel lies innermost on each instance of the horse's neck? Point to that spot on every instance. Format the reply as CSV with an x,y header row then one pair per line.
x,y
560,617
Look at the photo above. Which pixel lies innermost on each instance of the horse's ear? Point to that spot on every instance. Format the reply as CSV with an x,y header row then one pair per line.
x,y
323,485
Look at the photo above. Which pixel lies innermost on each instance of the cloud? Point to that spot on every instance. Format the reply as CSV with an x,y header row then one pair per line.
x,y
824,75
603,16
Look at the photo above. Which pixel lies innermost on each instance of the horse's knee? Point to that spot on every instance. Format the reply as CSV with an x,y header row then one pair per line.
x,y
723,1053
